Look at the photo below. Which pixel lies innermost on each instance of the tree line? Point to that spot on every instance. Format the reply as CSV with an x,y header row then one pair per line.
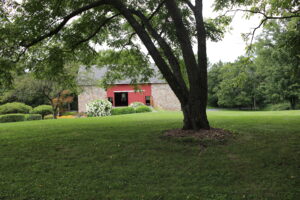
x,y
269,74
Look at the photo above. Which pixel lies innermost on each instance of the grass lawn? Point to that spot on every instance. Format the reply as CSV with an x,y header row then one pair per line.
x,y
125,157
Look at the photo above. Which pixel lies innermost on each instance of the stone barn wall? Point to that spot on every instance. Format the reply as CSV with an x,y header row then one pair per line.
x,y
89,93
164,98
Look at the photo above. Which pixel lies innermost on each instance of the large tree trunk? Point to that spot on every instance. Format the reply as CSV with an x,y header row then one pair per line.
x,y
195,118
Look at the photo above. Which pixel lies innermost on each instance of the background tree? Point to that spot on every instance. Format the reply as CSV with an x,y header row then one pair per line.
x,y
238,85
214,80
278,60
23,90
270,76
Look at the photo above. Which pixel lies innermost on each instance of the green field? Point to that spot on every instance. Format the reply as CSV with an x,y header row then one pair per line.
x,y
125,157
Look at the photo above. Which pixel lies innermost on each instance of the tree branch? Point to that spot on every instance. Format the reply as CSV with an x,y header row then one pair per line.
x,y
266,16
185,43
129,42
153,51
63,23
156,10
190,5
255,29
149,19
173,61
95,32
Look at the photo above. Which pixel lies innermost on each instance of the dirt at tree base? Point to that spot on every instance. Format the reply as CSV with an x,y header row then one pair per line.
x,y
202,134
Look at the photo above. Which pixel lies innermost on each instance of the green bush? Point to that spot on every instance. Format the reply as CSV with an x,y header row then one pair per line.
x,y
122,110
12,118
142,109
70,113
136,104
48,117
42,110
30,117
15,107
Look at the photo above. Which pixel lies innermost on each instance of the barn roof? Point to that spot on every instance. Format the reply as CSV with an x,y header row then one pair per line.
x,y
93,74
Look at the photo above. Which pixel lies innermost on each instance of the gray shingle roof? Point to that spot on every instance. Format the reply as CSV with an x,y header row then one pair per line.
x,y
92,75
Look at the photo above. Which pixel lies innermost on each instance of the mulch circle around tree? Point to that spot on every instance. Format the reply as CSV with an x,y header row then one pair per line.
x,y
202,134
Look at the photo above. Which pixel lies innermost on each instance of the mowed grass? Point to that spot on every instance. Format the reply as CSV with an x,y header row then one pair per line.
x,y
125,157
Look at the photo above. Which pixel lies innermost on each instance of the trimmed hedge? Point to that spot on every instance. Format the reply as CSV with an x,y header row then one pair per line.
x,y
12,118
16,117
136,104
42,110
30,117
15,107
142,109
48,117
130,110
122,110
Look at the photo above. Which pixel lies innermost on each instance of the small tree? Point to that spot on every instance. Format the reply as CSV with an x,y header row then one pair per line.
x,y
42,110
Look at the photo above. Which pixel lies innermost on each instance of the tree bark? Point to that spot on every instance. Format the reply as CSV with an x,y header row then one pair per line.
x,y
195,117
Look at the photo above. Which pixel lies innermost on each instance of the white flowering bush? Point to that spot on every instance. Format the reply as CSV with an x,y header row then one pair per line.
x,y
98,108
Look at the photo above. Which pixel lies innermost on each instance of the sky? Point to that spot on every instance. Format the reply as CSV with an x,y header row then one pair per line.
x,y
232,44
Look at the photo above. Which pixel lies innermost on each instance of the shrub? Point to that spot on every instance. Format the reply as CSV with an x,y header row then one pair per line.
x,y
48,117
69,113
31,117
12,118
15,107
81,114
136,104
99,108
142,109
42,110
122,110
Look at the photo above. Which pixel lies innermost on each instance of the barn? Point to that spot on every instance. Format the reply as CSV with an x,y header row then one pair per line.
x,y
156,92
